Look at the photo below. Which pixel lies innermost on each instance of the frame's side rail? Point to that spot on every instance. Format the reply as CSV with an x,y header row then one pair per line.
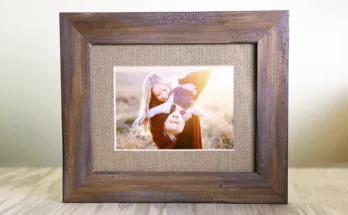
x,y
76,118
272,103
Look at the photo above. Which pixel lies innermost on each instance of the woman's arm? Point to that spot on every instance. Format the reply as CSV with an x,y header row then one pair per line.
x,y
198,78
162,108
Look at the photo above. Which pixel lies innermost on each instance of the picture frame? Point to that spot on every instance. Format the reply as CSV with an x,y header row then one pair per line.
x,y
267,30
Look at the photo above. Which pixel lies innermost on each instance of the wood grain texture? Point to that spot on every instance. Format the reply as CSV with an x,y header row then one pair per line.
x,y
38,191
174,27
76,107
272,107
267,29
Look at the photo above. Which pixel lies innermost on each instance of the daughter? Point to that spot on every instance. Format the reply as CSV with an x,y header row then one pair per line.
x,y
156,90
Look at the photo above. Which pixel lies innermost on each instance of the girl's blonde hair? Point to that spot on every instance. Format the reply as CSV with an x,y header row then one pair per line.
x,y
142,122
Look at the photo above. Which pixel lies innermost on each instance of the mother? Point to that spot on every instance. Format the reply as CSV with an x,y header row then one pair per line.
x,y
186,127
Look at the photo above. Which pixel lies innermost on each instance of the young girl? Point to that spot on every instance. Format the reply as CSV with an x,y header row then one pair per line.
x,y
158,89
181,99
173,95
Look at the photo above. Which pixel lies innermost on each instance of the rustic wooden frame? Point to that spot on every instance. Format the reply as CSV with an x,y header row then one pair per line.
x,y
268,30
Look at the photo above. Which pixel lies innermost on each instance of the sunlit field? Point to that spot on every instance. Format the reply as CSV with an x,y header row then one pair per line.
x,y
216,99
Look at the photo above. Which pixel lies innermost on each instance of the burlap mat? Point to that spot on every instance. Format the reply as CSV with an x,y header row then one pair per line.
x,y
105,158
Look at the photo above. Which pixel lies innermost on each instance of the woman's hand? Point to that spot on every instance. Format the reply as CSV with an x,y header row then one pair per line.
x,y
190,87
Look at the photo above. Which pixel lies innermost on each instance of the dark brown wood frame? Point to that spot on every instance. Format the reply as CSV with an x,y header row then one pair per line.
x,y
268,30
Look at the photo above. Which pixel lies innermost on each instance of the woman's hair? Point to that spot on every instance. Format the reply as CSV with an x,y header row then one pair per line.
x,y
142,122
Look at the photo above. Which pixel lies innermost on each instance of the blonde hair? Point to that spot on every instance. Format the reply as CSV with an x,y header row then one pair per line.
x,y
142,122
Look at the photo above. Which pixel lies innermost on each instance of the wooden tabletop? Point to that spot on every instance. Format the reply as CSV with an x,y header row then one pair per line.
x,y
39,191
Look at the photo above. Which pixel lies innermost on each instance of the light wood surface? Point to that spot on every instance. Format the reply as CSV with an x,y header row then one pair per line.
x,y
39,191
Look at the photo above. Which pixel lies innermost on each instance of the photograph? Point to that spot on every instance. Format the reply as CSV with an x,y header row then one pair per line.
x,y
173,107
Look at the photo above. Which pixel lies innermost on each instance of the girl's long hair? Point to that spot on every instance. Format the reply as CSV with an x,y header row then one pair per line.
x,y
142,122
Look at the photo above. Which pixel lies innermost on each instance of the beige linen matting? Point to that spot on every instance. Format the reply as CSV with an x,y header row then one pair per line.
x,y
105,57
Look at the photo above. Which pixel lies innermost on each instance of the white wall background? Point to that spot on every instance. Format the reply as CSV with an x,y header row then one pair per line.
x,y
30,121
